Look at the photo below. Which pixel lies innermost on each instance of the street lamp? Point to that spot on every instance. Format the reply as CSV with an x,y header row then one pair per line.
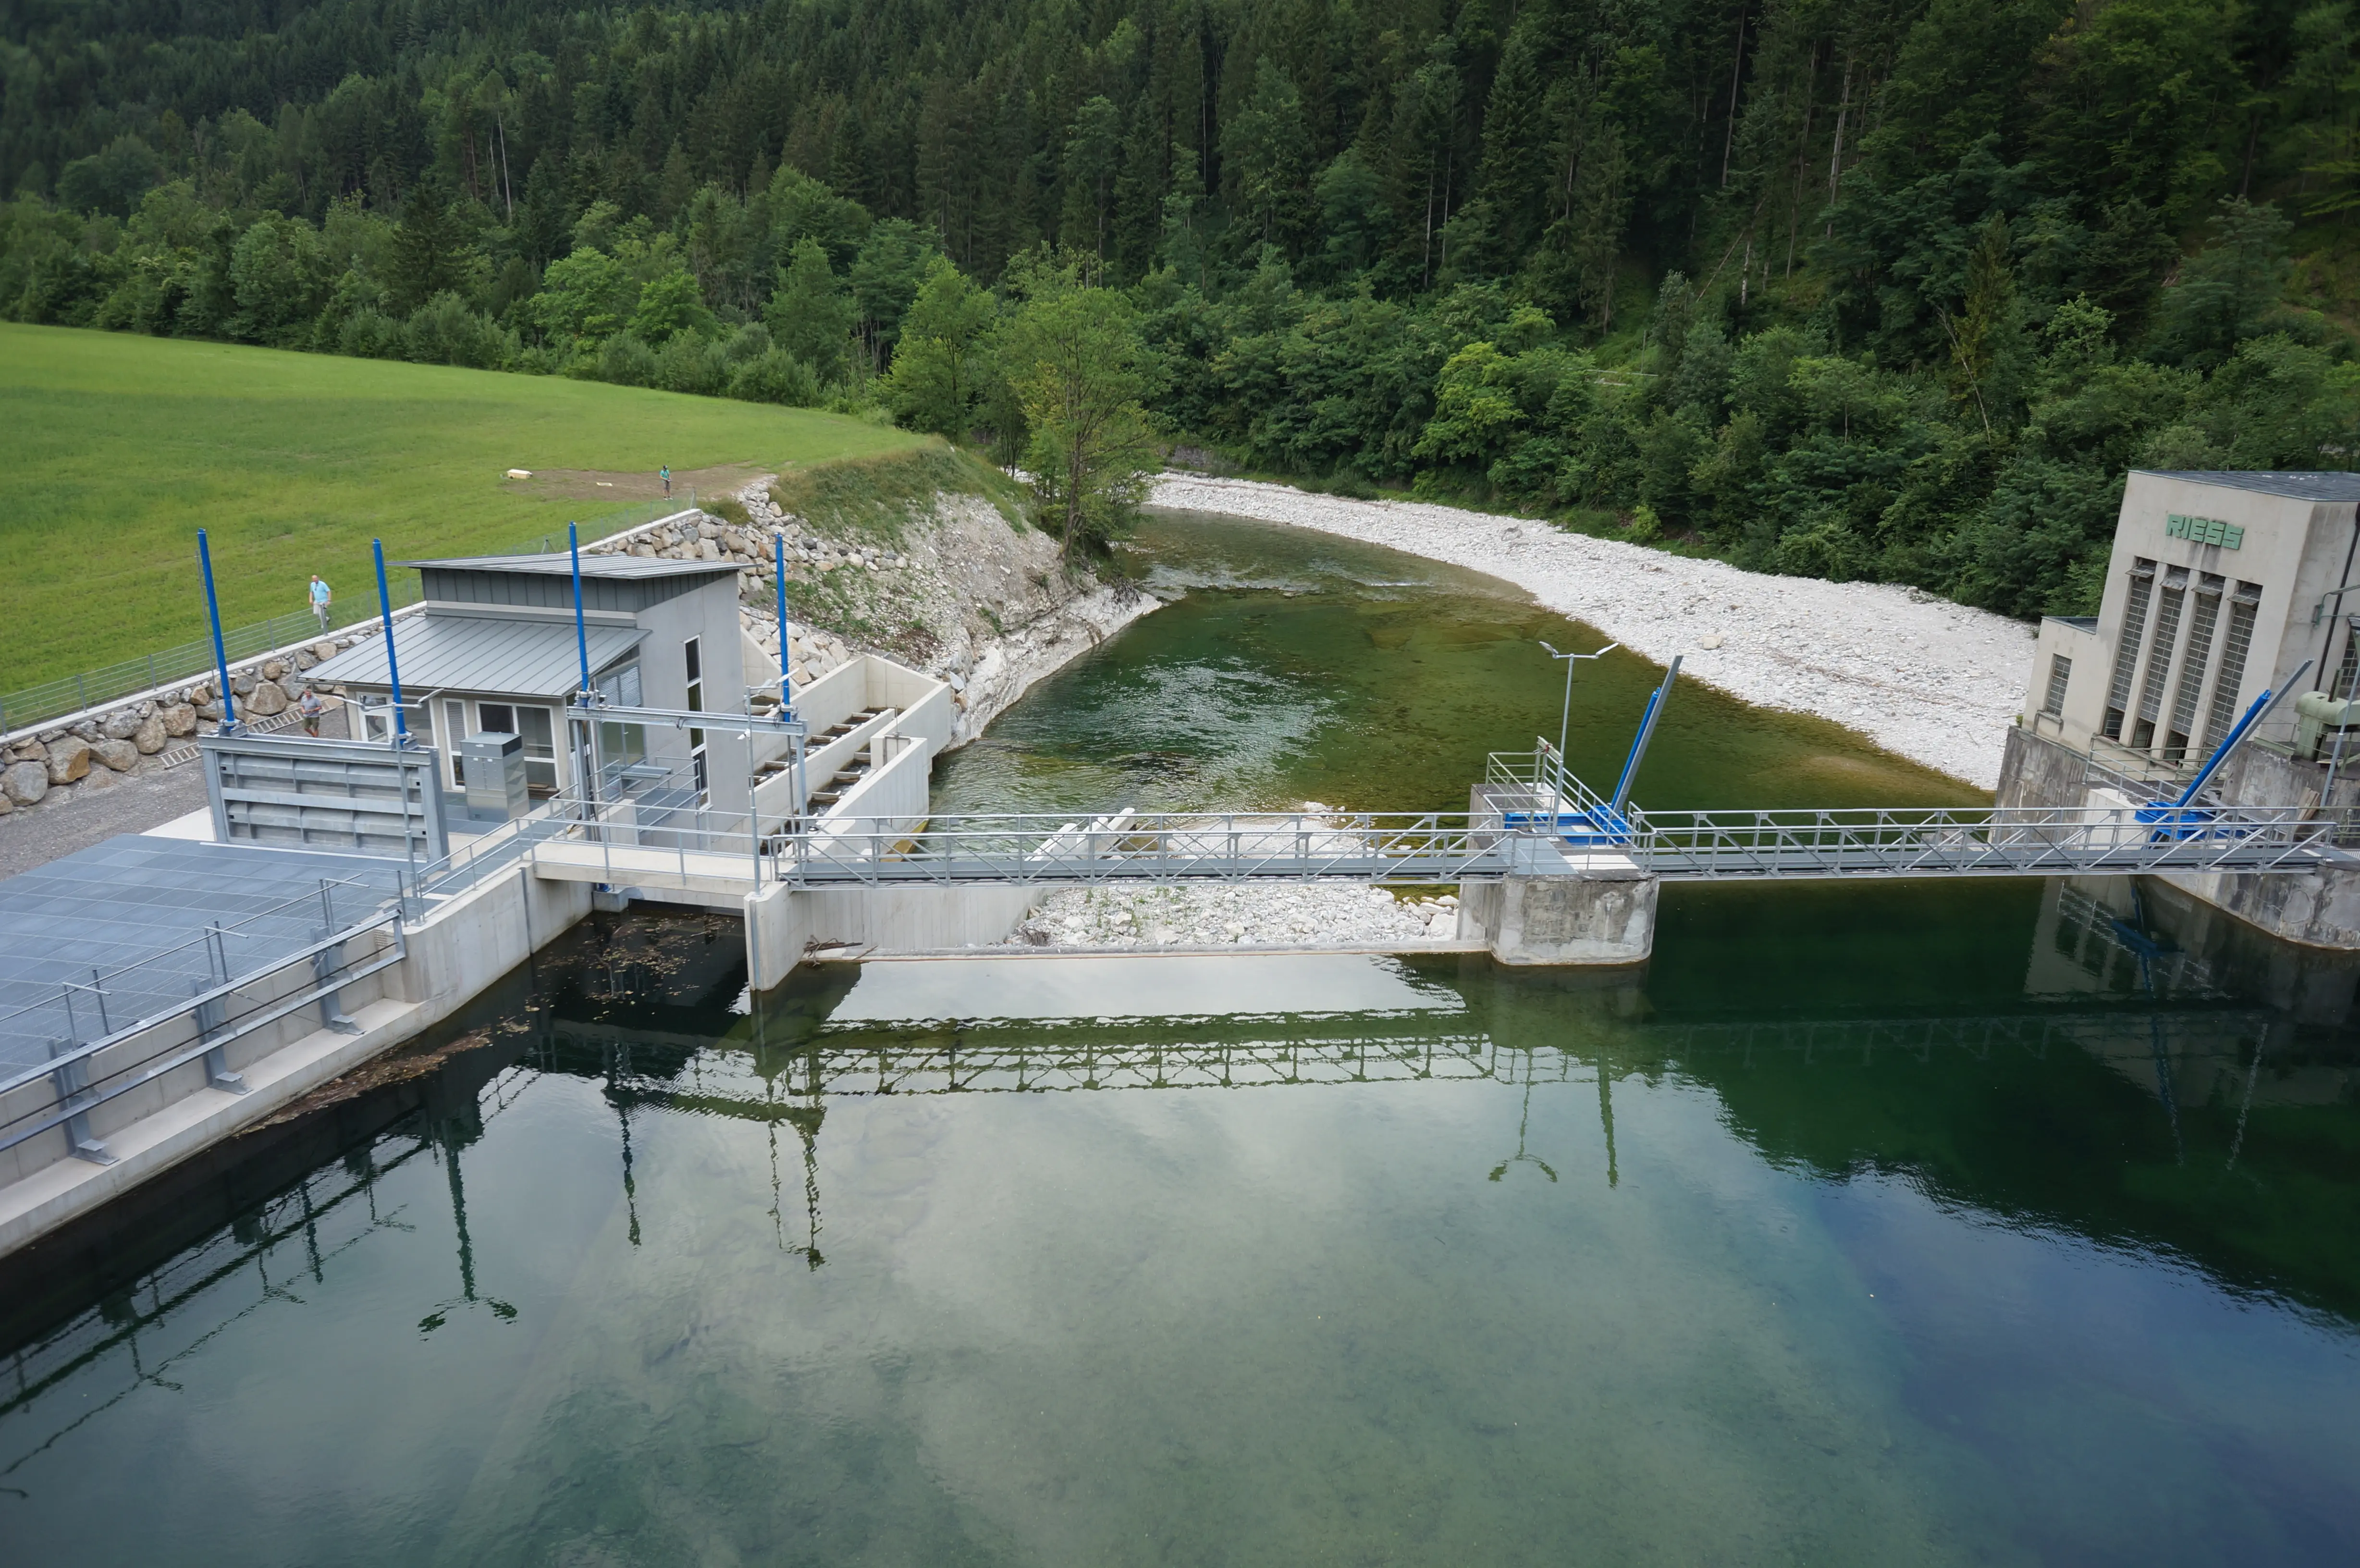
x,y
1566,716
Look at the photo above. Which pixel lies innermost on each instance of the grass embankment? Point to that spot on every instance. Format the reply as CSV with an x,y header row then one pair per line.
x,y
120,448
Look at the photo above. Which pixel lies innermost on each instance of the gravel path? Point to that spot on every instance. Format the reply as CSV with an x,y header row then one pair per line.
x,y
1932,680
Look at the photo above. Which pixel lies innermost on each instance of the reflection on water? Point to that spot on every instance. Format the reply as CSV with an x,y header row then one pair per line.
x,y
2027,1257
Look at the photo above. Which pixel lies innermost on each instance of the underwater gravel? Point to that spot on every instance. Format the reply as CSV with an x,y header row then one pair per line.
x,y
1341,914
1932,680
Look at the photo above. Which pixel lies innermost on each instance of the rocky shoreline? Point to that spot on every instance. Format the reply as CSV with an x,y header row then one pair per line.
x,y
1934,682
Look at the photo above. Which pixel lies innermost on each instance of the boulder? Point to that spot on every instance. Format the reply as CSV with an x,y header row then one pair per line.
x,y
268,698
708,550
25,783
274,670
119,754
103,778
180,719
119,725
68,759
6,805
208,709
32,751
325,650
243,682
303,660
150,736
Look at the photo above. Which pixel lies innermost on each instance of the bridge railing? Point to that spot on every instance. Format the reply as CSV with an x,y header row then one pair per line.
x,y
1130,845
1990,841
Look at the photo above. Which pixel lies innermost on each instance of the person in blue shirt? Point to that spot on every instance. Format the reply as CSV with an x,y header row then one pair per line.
x,y
666,475
319,600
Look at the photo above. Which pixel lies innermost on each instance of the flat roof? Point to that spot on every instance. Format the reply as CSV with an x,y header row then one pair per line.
x,y
2329,487
480,653
561,564
133,901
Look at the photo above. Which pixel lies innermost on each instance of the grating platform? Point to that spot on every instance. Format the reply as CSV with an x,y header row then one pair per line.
x,y
134,911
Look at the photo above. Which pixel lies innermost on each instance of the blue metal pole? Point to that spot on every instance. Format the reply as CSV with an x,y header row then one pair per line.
x,y
1646,733
581,635
786,663
392,669
221,655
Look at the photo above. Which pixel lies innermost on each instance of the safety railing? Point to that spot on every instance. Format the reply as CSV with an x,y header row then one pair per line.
x,y
98,1004
1159,847
1987,841
197,1029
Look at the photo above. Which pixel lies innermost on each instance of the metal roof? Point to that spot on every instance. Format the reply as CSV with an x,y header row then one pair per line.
x,y
480,653
2327,487
131,908
561,565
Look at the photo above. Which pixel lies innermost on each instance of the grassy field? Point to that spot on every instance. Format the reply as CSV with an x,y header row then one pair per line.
x,y
119,448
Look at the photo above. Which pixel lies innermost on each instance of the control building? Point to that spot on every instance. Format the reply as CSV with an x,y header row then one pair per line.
x,y
2219,588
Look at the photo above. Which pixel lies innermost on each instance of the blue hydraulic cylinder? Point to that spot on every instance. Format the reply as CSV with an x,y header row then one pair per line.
x,y
581,634
392,668
221,655
786,658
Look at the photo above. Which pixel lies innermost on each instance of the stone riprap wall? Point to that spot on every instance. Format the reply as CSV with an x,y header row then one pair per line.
x,y
982,605
48,767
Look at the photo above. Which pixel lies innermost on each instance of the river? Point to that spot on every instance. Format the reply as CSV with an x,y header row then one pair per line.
x,y
2000,1222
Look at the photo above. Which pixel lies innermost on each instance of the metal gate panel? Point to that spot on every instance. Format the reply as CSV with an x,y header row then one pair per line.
x,y
352,796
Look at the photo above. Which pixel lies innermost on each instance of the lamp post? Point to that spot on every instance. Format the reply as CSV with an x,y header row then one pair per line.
x,y
1565,715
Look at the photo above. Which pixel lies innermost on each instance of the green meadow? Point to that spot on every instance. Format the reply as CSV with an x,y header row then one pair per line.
x,y
118,449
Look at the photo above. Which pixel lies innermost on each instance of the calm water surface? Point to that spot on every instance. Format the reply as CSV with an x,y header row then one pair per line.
x,y
2006,1223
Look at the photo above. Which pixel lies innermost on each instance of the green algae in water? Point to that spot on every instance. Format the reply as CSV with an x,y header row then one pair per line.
x,y
1303,667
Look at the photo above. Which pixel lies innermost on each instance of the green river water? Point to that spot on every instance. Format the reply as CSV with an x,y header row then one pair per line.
x,y
1979,1223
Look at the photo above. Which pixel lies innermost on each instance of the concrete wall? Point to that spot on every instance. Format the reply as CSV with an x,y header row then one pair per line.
x,y
2086,693
1584,919
781,923
2317,908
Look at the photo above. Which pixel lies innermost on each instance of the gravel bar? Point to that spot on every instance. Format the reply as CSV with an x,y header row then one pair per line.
x,y
1932,681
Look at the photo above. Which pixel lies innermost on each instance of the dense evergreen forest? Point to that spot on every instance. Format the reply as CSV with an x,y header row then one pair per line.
x,y
1896,288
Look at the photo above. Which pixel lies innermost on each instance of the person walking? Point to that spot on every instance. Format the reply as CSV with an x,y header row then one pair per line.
x,y
321,597
666,475
311,707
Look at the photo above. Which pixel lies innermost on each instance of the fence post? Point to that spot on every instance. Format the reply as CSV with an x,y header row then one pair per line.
x,y
72,1080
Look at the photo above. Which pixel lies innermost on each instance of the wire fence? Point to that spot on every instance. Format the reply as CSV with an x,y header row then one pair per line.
x,y
52,699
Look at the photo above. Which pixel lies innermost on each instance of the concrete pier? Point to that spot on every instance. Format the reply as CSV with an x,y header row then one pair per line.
x,y
1601,917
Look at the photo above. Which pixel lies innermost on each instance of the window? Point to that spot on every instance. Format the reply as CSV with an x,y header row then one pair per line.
x,y
2158,656
2192,668
2234,648
2127,647
2347,674
2061,674
376,720
621,687
539,728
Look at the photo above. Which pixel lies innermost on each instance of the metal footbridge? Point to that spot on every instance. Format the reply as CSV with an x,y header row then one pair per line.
x,y
1529,817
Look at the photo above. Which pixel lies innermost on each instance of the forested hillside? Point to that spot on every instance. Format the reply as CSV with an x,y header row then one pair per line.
x,y
1896,288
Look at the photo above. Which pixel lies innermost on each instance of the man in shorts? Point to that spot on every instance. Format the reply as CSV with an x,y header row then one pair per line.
x,y
320,599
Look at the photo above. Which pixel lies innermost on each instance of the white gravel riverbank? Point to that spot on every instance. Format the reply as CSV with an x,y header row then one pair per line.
x,y
1932,680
